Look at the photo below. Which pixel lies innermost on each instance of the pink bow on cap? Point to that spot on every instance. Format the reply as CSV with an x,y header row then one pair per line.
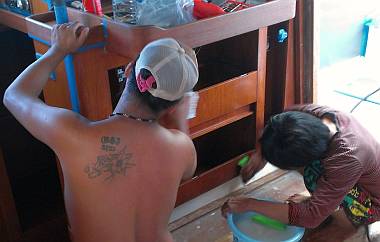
x,y
143,84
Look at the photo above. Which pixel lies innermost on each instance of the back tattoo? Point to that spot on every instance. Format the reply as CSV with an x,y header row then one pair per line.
x,y
115,162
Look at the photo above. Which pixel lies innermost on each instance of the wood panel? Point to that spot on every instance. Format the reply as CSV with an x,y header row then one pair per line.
x,y
10,229
276,70
219,122
38,6
40,26
13,20
56,92
260,92
208,180
93,83
290,68
129,40
225,97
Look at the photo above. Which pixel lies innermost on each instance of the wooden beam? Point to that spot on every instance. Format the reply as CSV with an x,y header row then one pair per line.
x,y
13,20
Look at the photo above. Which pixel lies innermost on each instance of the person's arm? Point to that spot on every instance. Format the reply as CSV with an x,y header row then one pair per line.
x,y
187,154
278,211
48,124
339,178
192,164
341,172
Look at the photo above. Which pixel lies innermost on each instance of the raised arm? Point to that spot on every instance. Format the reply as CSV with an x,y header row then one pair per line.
x,y
49,124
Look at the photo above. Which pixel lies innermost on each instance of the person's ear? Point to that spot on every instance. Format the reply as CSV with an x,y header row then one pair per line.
x,y
128,69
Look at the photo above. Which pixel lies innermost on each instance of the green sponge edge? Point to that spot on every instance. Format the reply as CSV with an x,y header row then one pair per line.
x,y
243,161
268,222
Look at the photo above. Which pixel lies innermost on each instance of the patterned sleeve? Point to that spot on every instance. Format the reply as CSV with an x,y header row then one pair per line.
x,y
341,172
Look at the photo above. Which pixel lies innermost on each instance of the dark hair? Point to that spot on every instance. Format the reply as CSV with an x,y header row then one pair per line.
x,y
294,139
155,104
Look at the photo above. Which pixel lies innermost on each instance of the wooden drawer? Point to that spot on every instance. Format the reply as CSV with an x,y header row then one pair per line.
x,y
225,97
208,180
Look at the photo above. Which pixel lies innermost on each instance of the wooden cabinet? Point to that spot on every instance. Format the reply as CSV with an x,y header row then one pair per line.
x,y
231,51
232,56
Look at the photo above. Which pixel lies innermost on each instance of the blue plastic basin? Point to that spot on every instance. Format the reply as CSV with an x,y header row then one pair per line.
x,y
291,234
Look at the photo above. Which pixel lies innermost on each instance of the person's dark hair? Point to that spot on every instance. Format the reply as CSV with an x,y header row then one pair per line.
x,y
294,139
157,105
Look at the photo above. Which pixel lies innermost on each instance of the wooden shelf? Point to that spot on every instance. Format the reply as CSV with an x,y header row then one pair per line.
x,y
209,179
225,97
128,40
217,123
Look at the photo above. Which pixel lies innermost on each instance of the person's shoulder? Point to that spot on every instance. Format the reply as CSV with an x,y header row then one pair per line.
x,y
344,142
344,148
181,138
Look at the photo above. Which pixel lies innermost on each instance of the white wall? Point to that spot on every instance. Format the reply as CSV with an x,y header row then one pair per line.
x,y
341,24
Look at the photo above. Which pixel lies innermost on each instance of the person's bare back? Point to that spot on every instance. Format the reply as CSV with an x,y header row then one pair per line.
x,y
121,174
121,183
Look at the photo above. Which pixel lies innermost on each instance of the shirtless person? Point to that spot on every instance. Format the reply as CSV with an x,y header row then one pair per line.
x,y
122,173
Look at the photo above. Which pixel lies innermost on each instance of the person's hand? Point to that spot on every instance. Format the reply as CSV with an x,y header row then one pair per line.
x,y
67,38
254,165
297,198
236,205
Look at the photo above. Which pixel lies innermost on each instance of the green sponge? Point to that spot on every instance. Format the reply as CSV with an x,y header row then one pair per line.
x,y
243,161
271,223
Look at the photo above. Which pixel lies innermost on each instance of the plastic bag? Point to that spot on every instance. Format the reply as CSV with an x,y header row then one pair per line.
x,y
164,13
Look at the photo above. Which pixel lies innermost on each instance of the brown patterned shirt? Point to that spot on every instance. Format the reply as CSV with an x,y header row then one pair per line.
x,y
353,158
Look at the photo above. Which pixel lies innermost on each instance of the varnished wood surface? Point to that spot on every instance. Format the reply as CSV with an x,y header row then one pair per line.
x,y
129,40
289,91
210,179
276,70
225,97
260,92
219,122
38,6
40,25
93,85
13,20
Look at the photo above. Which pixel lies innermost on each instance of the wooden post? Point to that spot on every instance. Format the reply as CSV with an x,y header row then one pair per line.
x,y
260,93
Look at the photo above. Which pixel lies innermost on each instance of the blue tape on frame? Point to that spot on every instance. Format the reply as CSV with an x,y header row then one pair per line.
x,y
70,73
93,46
61,14
52,75
105,28
39,39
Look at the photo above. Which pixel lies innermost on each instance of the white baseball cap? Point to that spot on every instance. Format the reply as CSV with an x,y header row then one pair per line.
x,y
174,67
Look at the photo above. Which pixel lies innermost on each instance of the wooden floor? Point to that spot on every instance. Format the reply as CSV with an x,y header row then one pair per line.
x,y
207,224
212,227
